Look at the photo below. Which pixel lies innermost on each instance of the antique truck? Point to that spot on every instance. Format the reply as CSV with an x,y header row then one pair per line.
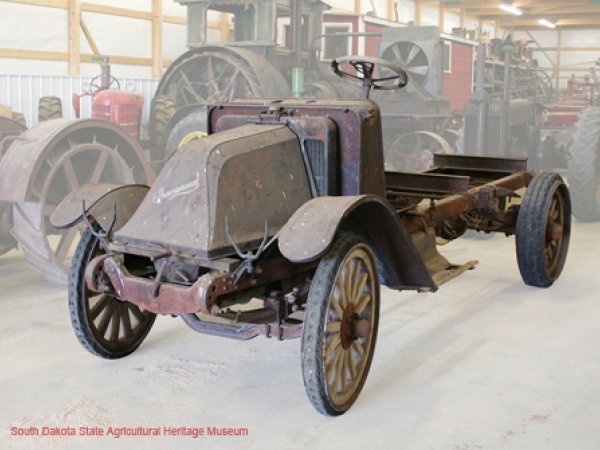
x,y
282,222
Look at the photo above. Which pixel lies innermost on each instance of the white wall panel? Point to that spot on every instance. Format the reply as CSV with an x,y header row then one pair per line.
x,y
429,15
33,28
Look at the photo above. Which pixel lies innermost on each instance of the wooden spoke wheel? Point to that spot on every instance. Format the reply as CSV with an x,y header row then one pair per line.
x,y
340,326
47,249
105,326
543,230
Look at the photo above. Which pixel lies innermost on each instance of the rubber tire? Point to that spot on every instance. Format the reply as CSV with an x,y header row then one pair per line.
x,y
162,110
530,233
313,367
7,241
20,118
196,121
79,319
49,107
584,166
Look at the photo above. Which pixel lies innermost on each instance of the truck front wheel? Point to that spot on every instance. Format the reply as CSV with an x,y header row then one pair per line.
x,y
340,326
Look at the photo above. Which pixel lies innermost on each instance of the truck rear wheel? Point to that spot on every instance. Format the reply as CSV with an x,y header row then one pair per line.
x,y
543,230
584,166
104,325
340,326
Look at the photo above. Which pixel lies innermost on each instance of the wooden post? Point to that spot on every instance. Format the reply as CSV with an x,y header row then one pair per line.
x,y
374,8
89,37
224,26
390,10
74,37
441,15
462,17
357,6
157,21
417,12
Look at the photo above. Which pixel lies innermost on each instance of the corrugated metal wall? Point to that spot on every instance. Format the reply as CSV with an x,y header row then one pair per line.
x,y
22,93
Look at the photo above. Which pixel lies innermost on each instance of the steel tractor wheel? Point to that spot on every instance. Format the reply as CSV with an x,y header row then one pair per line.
x,y
105,326
340,326
584,166
51,160
7,241
9,130
212,74
49,107
543,230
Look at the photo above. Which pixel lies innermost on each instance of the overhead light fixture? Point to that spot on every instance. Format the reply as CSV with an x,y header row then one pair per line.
x,y
547,23
510,8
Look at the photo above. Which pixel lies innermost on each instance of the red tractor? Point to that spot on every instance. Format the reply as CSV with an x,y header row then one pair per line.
x,y
111,103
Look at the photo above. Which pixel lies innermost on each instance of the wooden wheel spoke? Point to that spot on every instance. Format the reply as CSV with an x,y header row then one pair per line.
x,y
137,313
333,344
333,326
347,298
332,365
99,307
362,303
116,323
351,363
360,287
106,317
356,345
127,330
336,303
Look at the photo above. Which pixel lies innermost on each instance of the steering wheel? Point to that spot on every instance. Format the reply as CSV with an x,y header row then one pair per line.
x,y
96,83
365,66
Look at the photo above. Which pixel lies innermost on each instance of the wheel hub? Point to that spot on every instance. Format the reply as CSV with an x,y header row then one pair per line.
x,y
353,327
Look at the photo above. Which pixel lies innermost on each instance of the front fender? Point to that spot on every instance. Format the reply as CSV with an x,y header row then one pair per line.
x,y
100,201
311,230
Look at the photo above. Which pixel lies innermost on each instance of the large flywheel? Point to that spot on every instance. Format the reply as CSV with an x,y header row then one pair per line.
x,y
411,58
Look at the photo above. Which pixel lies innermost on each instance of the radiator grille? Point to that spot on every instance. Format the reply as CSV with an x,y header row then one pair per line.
x,y
315,152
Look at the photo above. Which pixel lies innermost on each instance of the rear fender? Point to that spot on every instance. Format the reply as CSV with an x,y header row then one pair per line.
x,y
312,229
100,201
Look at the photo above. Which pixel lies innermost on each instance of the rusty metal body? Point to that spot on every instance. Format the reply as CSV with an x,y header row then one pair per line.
x,y
299,172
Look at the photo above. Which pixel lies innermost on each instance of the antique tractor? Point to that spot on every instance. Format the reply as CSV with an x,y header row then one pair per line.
x,y
282,222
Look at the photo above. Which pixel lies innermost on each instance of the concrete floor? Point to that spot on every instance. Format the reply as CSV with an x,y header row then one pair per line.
x,y
485,363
